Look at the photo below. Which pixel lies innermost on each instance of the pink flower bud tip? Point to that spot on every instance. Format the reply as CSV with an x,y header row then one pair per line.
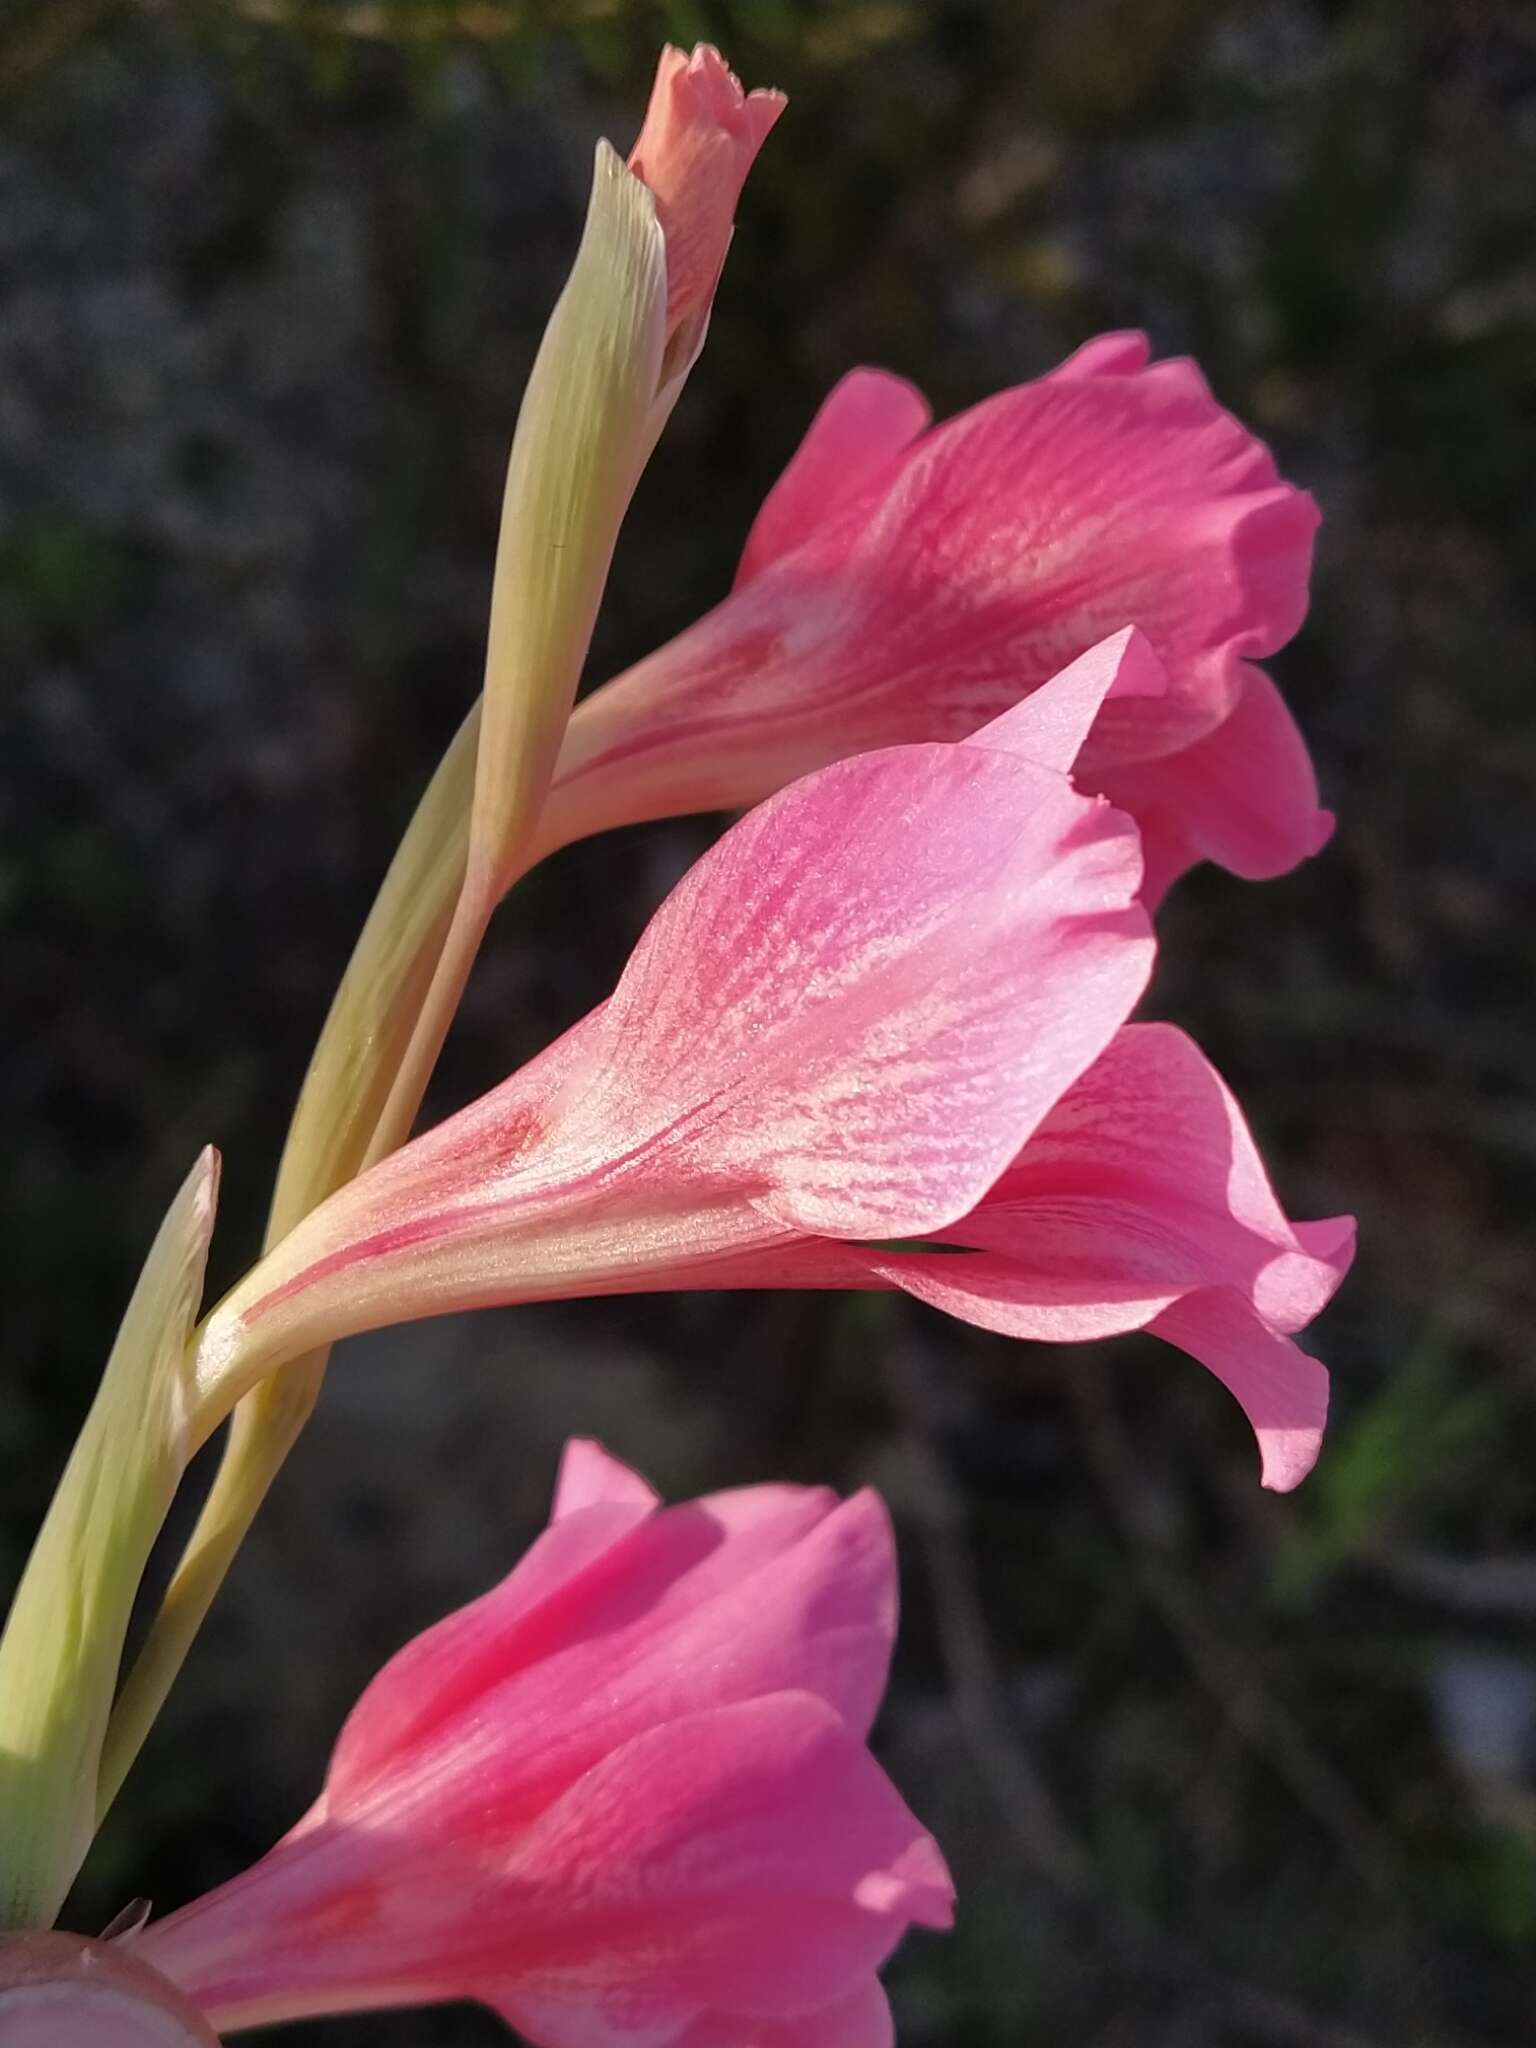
x,y
700,136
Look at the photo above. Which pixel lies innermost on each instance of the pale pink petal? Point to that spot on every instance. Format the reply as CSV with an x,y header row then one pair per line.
x,y
958,578
1245,796
1050,726
694,151
1144,1190
589,1476
1147,1169
1282,1391
861,1001
865,419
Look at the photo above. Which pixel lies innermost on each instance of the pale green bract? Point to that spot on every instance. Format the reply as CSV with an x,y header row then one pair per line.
x,y
63,1641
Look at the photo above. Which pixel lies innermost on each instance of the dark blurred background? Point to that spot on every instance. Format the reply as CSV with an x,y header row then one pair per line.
x,y
1213,1767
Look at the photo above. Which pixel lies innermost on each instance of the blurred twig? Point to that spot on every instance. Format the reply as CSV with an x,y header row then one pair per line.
x,y
1503,1586
1264,1723
1003,1762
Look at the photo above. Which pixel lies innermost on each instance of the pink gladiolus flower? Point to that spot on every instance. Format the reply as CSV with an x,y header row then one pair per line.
x,y
888,1005
902,585
844,1022
624,1798
700,135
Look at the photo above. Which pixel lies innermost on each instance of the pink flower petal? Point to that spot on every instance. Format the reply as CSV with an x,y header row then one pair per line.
x,y
724,1599
754,1860
867,993
444,1672
1146,1168
956,578
1107,355
1282,1391
589,1476
1050,726
865,420
1141,1193
1245,796
637,1801
860,2021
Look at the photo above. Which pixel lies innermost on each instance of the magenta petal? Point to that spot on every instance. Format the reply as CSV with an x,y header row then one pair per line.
x,y
589,1477
821,1619
611,1799
862,2020
1244,796
749,1860
444,1672
754,1860
1330,1240
1107,355
865,419
727,1598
